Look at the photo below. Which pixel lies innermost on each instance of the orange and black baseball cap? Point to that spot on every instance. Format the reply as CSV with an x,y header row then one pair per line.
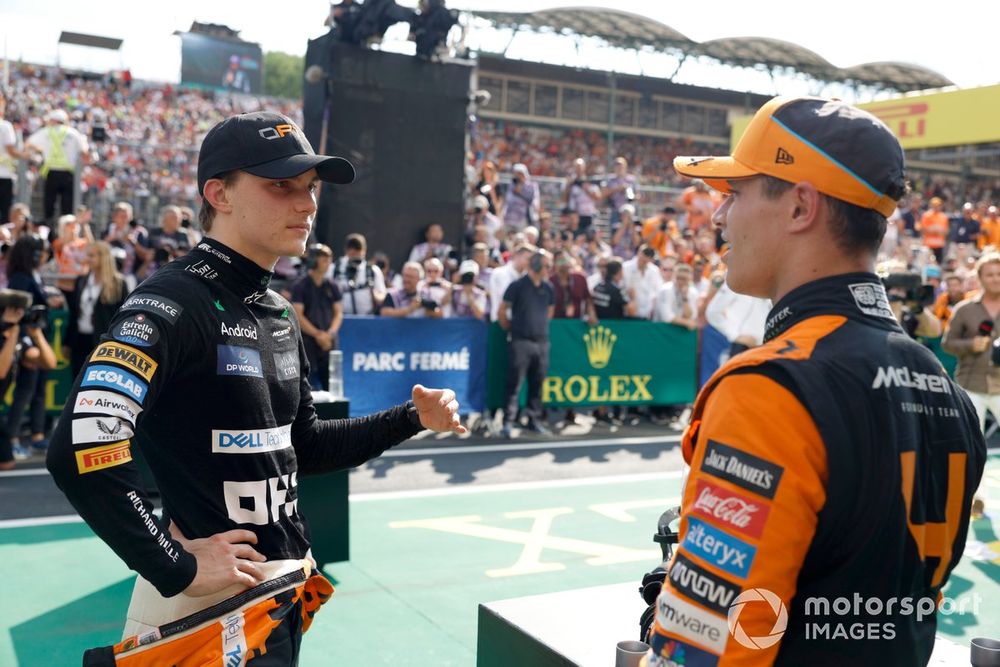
x,y
846,153
265,144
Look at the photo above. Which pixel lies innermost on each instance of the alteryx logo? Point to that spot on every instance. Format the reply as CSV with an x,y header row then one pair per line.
x,y
234,360
252,441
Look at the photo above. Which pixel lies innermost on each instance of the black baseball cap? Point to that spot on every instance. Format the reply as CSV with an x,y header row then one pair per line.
x,y
265,144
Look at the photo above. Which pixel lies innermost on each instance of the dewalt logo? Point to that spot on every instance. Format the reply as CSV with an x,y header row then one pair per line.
x,y
127,356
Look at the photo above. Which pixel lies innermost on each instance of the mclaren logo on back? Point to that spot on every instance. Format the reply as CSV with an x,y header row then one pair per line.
x,y
901,376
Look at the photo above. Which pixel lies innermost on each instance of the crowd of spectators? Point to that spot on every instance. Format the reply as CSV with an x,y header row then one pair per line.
x,y
664,266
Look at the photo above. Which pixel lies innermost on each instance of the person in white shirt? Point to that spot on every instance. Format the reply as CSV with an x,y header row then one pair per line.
x,y
360,281
433,246
503,276
9,155
62,148
677,301
435,288
642,280
738,317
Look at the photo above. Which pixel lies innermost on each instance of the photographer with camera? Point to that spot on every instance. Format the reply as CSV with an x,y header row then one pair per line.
x,y
468,299
360,281
125,232
659,231
910,302
318,303
580,195
13,304
409,300
23,261
433,245
620,189
435,289
480,216
521,202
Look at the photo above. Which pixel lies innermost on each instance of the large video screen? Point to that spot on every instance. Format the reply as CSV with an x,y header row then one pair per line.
x,y
220,63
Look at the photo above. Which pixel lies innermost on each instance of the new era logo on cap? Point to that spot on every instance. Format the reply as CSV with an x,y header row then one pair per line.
x,y
845,152
265,144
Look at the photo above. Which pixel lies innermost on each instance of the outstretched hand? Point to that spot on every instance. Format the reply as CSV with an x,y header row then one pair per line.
x,y
224,559
438,409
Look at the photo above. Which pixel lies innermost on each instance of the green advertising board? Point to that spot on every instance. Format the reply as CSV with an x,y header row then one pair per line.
x,y
618,362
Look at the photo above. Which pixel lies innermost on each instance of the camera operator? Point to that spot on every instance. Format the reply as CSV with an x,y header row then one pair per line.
x,y
620,189
480,216
407,301
581,196
659,231
468,298
521,204
436,289
360,281
626,234
910,302
12,307
318,303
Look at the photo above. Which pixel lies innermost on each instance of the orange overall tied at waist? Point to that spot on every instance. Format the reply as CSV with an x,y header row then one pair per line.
x,y
213,639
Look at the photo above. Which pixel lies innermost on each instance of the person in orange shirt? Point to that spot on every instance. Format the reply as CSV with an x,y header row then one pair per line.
x,y
946,301
659,231
989,229
698,205
933,228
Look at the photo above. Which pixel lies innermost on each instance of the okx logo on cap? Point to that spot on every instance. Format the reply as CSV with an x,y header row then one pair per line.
x,y
265,144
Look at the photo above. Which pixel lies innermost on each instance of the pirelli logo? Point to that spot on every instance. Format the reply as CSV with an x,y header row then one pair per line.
x,y
127,356
105,456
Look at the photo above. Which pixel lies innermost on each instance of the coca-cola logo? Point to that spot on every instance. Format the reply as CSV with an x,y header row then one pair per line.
x,y
732,509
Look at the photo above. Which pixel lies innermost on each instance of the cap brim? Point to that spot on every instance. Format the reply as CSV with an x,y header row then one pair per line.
x,y
715,171
329,169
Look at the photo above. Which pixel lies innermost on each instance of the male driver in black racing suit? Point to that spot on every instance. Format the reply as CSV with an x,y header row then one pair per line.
x,y
209,364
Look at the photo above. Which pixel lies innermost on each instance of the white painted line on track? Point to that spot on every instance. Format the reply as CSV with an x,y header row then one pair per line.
x,y
516,486
541,445
29,472
40,521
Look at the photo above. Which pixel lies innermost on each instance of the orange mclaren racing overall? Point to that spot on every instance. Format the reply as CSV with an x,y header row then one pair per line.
x,y
832,473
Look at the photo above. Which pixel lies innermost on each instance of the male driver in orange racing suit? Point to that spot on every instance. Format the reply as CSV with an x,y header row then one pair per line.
x,y
832,468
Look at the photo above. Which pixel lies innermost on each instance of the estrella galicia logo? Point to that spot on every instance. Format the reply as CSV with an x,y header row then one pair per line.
x,y
171,310
719,548
137,330
287,365
234,360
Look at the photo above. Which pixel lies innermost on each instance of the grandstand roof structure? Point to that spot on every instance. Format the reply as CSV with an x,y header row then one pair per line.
x,y
631,31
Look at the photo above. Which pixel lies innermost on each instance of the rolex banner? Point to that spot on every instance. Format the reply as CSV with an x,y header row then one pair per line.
x,y
618,362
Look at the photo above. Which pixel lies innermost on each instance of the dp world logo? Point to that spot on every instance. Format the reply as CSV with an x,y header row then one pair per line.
x,y
600,341
780,618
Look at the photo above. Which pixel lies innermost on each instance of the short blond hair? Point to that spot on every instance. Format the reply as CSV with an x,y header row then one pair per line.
x,y
987,258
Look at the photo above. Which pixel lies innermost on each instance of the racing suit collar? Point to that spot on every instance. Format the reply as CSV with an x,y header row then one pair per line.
x,y
241,275
858,296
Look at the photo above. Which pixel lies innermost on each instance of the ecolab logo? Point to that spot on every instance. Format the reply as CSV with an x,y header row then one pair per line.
x,y
252,441
240,331
903,377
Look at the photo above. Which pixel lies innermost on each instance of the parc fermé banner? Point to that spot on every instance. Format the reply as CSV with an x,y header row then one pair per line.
x,y
385,357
